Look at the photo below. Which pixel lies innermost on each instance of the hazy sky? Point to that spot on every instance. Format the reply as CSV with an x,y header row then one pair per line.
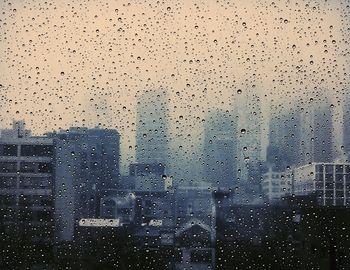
x,y
67,63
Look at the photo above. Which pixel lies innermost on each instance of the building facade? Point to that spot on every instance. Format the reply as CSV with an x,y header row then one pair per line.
x,y
86,162
330,182
26,184
276,185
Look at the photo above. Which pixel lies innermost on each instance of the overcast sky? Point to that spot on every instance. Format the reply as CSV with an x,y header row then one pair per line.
x,y
67,63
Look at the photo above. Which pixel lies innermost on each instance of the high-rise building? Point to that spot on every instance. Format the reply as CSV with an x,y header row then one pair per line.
x,y
316,128
220,149
86,162
152,127
26,185
284,137
248,116
301,134
346,125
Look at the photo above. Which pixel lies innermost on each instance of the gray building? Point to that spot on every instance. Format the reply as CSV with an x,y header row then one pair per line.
x,y
195,230
152,144
316,129
248,116
148,177
346,124
26,184
284,137
277,185
220,155
86,162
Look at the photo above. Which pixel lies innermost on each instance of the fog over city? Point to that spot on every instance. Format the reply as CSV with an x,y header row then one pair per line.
x,y
83,63
175,135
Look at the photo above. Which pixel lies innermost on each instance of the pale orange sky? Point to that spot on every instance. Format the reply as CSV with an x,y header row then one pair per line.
x,y
67,63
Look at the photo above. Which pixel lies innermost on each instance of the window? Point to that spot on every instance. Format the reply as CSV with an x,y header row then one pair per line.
x,y
339,169
45,168
37,150
8,167
28,167
34,182
329,169
201,256
8,150
36,167
7,182
7,201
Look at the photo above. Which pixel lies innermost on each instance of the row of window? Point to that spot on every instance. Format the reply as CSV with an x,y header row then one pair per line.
x,y
330,168
332,186
330,201
26,150
338,193
27,167
9,182
26,200
27,215
330,178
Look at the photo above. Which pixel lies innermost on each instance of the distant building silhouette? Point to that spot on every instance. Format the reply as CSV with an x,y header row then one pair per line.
x,y
220,156
152,127
247,115
284,137
316,144
346,125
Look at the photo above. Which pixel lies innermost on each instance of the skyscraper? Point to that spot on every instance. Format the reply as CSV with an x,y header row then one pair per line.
x,y
220,149
316,144
247,115
284,137
152,127
346,124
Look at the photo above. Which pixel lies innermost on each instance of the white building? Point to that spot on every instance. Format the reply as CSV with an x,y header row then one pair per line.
x,y
277,185
330,182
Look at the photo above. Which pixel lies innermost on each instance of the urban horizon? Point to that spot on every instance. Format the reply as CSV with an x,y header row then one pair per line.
x,y
174,135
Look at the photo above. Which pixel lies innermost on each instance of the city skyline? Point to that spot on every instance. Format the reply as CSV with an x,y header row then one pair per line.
x,y
239,116
174,135
85,63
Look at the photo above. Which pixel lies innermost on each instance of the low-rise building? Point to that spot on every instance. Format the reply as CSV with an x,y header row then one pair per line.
x,y
330,182
276,185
